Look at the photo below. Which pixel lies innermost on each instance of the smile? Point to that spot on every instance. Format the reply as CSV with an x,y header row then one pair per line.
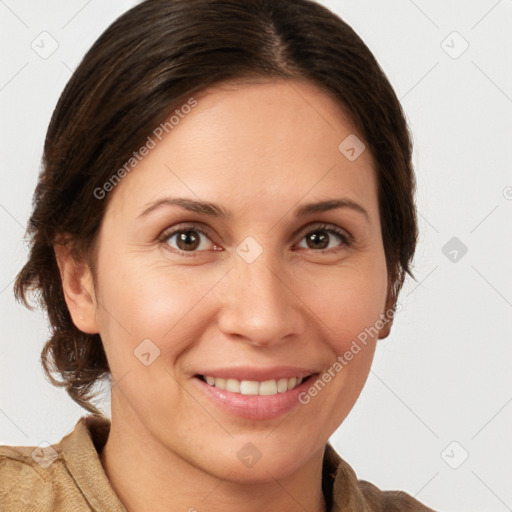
x,y
251,392
253,387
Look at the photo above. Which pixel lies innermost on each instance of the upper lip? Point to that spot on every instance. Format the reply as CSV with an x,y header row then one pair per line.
x,y
258,373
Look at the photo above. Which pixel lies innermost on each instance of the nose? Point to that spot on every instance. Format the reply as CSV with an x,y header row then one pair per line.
x,y
259,305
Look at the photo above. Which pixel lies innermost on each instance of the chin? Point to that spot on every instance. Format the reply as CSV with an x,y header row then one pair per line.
x,y
256,461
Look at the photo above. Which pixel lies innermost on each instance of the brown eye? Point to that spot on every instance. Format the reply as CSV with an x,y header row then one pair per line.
x,y
187,239
325,238
318,240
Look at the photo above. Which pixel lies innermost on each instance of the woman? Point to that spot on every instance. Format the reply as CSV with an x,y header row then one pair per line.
x,y
222,227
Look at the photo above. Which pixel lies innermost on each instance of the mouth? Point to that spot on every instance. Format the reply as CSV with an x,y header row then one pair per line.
x,y
268,387
254,393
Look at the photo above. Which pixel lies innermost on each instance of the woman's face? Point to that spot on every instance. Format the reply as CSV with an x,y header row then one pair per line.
x,y
260,293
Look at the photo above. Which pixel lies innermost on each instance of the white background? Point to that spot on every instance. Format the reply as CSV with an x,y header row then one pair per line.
x,y
444,374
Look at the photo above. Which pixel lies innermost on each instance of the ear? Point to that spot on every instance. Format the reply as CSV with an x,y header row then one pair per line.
x,y
78,288
390,304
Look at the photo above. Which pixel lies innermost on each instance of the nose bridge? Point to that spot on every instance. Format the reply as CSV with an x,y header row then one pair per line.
x,y
259,306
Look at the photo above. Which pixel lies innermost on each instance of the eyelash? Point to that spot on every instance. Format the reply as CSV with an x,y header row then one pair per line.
x,y
343,236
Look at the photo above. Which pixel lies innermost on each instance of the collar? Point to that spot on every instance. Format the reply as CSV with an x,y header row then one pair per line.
x,y
80,450
340,484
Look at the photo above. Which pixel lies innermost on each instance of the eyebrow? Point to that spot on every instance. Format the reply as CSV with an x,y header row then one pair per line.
x,y
216,211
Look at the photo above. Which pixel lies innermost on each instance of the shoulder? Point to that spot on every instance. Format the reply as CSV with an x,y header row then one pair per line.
x,y
26,477
350,493
43,478
390,501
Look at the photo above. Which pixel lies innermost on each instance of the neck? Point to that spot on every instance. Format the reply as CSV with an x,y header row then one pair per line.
x,y
148,476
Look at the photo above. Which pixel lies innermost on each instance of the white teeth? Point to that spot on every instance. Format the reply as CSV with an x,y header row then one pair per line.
x,y
252,387
268,387
249,387
233,385
282,385
220,383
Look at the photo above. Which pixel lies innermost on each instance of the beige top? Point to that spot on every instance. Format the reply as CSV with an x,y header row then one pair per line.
x,y
68,477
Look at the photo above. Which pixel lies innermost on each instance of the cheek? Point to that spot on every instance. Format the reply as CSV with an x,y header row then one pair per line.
x,y
348,302
141,300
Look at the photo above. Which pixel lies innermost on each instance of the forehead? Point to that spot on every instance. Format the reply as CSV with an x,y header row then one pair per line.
x,y
260,139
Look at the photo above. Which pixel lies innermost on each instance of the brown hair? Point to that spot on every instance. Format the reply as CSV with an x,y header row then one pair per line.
x,y
147,63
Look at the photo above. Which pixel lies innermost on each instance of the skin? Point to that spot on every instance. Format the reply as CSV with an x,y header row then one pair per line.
x,y
259,149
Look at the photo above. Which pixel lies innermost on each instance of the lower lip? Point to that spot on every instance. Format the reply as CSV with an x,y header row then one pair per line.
x,y
254,407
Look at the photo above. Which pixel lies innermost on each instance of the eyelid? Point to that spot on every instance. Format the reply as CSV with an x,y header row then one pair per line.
x,y
324,225
186,226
